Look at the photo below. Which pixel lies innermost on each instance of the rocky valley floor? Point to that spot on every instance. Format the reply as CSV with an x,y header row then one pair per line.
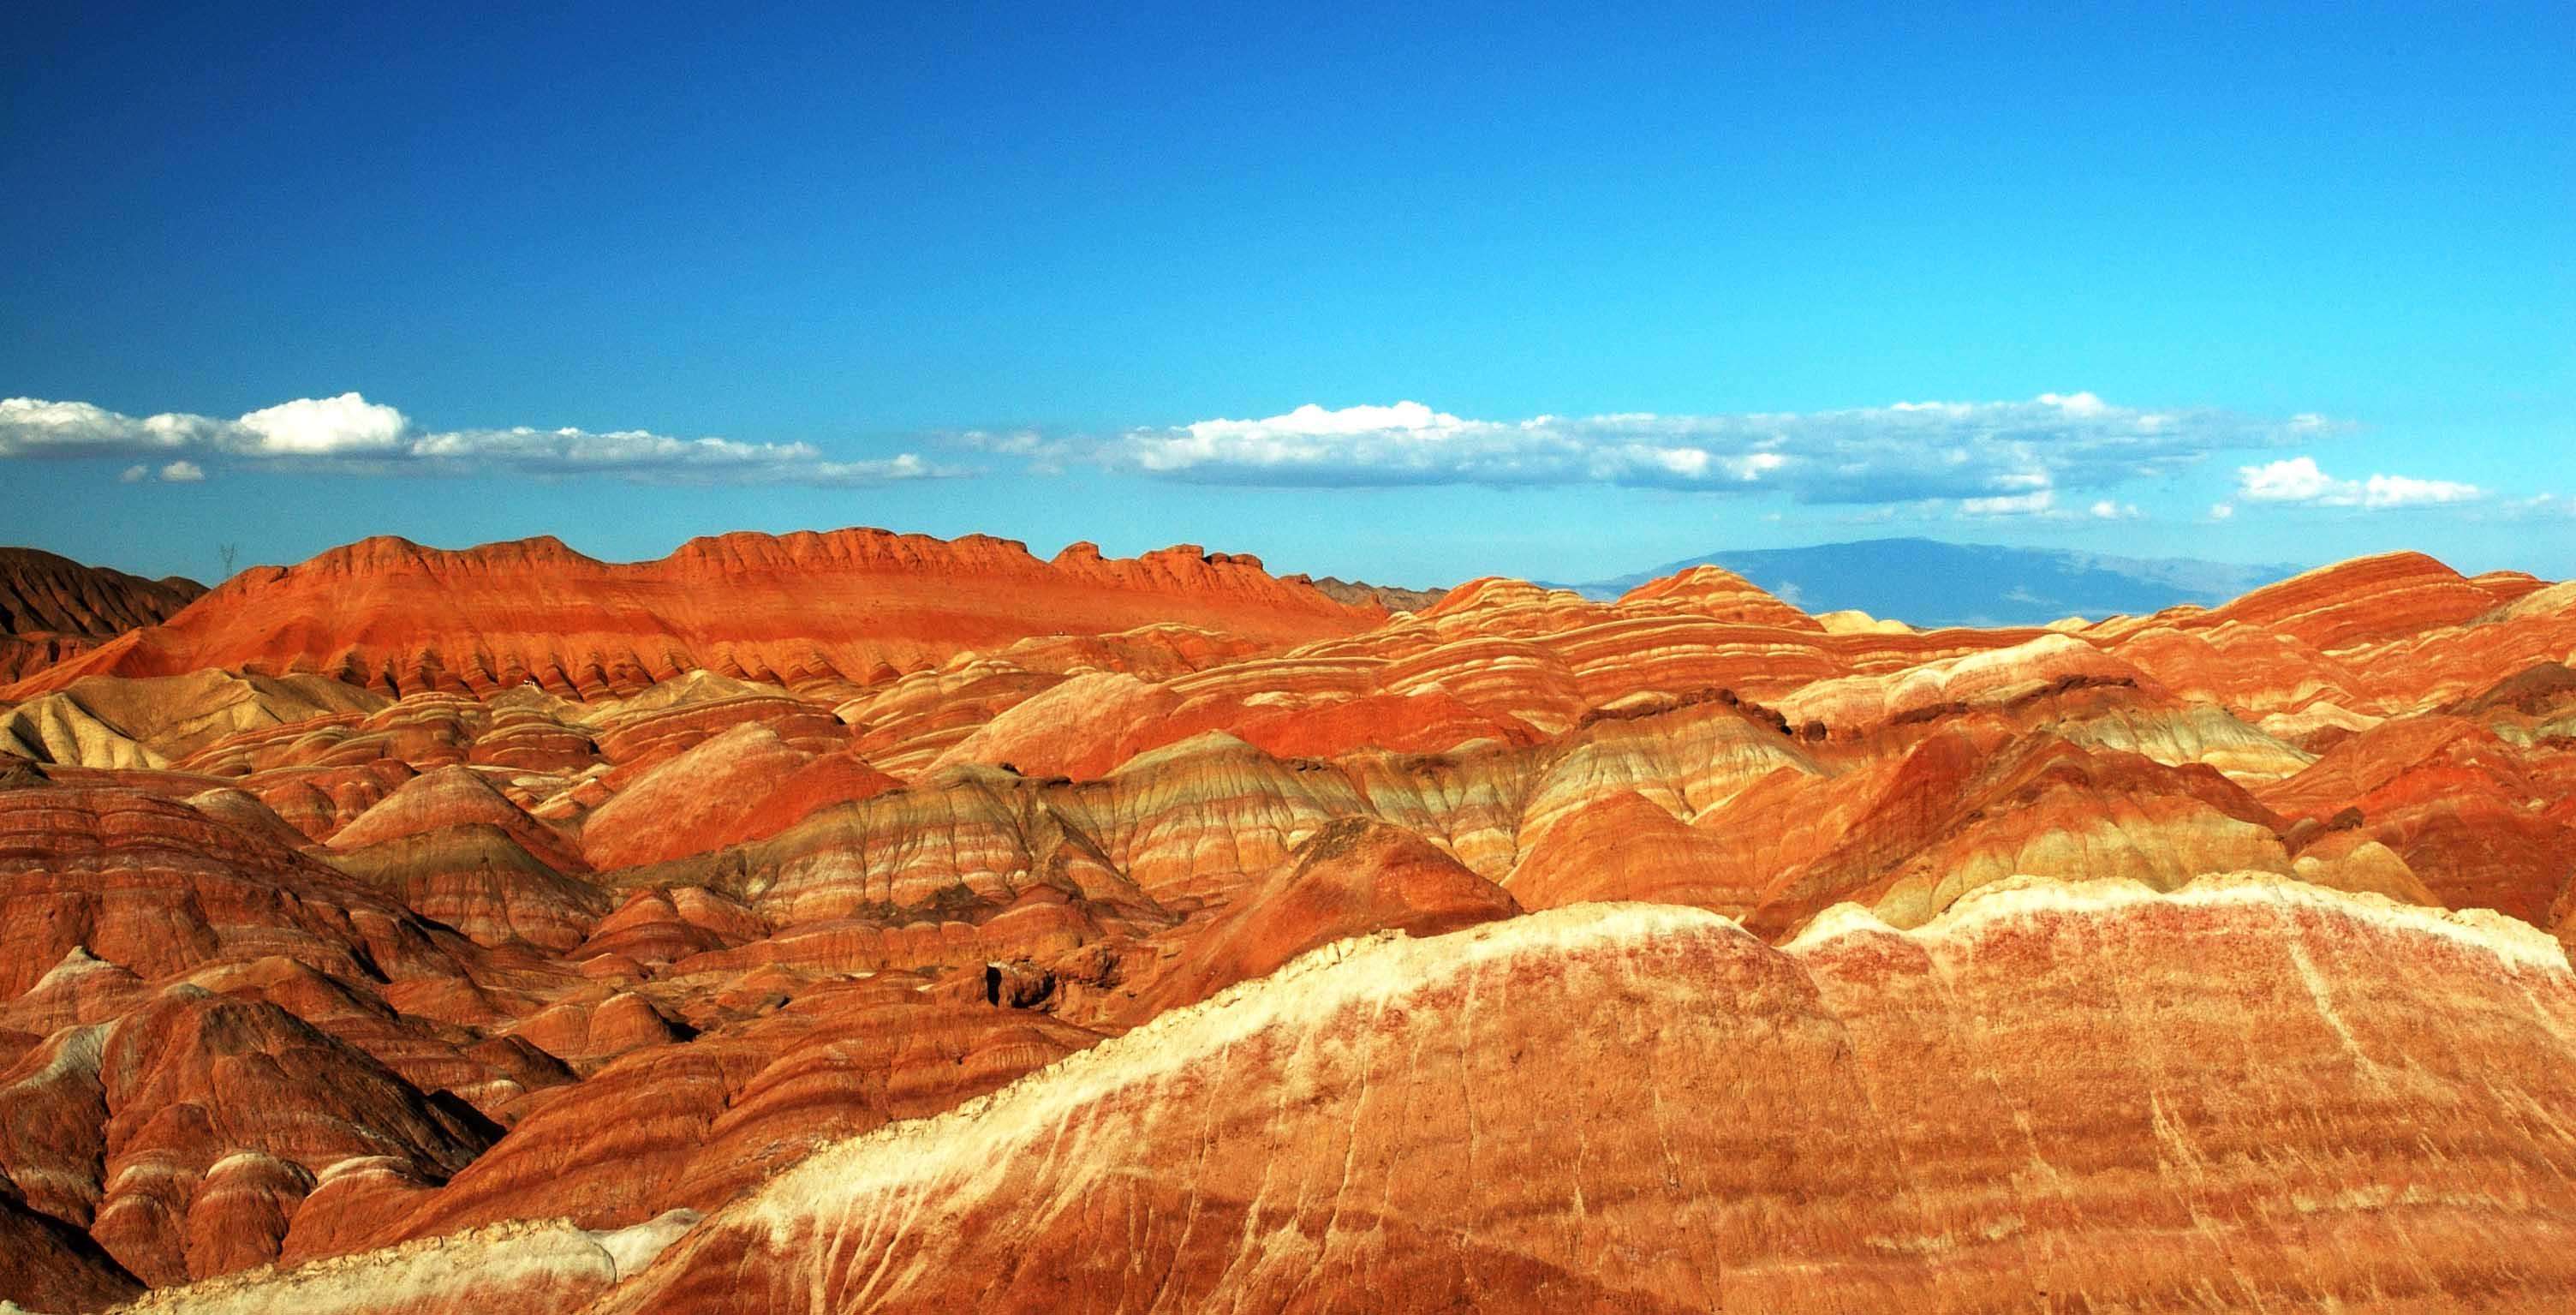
x,y
862,922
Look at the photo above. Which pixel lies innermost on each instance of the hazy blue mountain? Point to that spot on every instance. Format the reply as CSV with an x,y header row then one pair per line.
x,y
1931,583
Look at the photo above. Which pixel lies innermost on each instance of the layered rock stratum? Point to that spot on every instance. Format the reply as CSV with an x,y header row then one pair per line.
x,y
53,608
852,921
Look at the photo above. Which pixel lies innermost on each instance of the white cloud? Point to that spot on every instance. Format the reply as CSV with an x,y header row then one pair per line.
x,y
2108,510
2222,510
2011,504
2294,480
177,472
33,427
1754,465
1990,458
636,454
2403,491
2300,479
350,434
323,426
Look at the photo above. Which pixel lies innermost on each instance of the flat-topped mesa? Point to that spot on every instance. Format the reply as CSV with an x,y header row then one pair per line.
x,y
729,556
858,547
391,552
390,614
1186,568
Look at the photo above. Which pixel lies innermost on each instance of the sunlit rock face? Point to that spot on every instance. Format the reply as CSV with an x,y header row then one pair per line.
x,y
863,922
1644,1108
800,608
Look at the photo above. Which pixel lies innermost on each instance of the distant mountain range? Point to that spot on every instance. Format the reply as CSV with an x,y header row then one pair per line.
x,y
1931,583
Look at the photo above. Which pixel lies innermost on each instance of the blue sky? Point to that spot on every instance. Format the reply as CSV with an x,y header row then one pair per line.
x,y
1000,268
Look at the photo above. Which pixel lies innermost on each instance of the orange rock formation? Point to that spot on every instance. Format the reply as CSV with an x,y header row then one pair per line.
x,y
53,608
858,922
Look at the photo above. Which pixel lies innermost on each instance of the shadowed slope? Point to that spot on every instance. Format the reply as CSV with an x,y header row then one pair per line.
x,y
53,608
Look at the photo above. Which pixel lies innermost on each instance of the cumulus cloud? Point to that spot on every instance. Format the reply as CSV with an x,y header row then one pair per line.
x,y
323,426
2294,480
350,434
33,427
2108,510
2221,510
2301,480
1992,458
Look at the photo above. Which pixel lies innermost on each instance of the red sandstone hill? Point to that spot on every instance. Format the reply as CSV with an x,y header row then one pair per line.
x,y
1640,1109
53,608
856,922
389,614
